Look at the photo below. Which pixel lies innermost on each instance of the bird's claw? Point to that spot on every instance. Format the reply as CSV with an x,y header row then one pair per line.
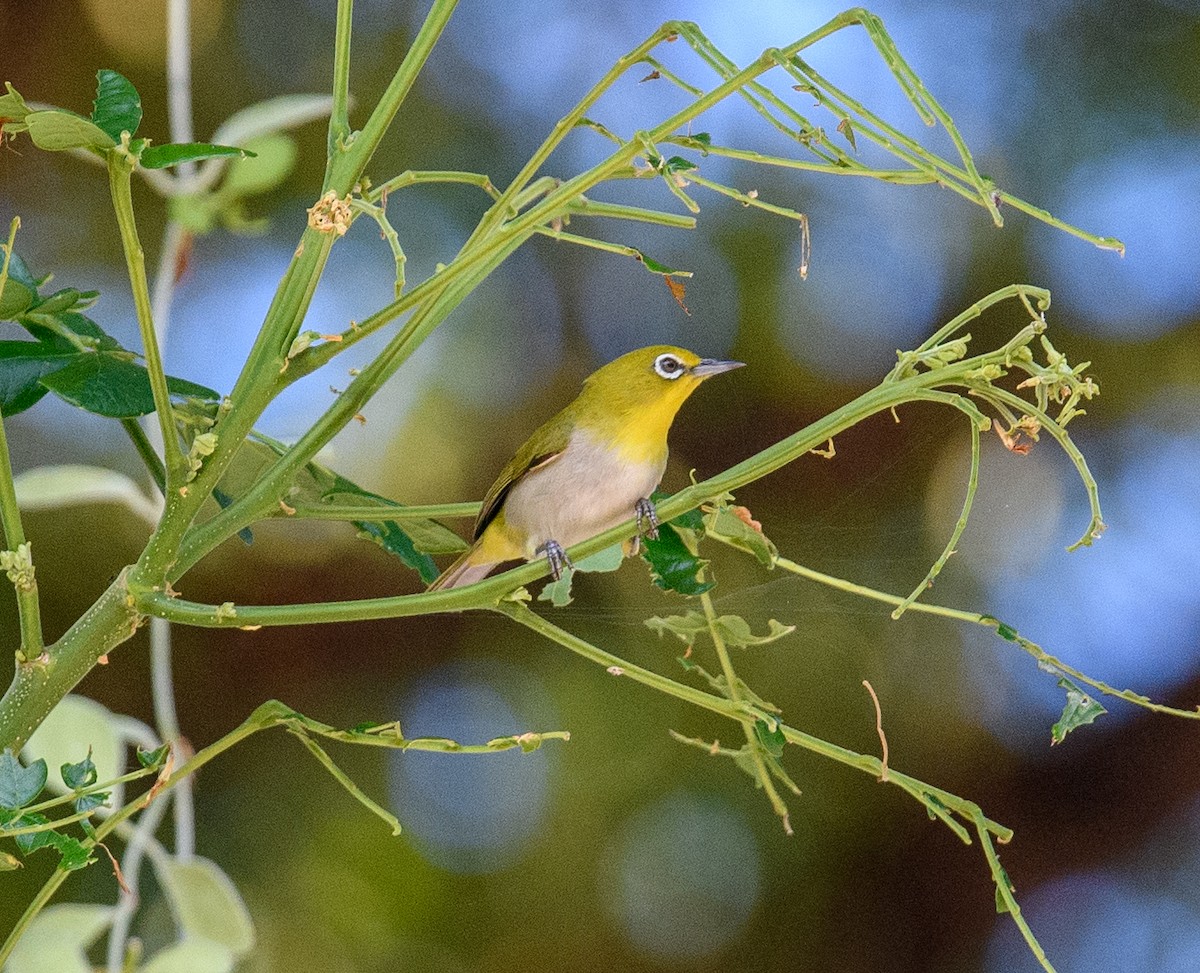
x,y
647,518
557,557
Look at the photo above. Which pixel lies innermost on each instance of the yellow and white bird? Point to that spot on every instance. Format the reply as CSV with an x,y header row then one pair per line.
x,y
591,467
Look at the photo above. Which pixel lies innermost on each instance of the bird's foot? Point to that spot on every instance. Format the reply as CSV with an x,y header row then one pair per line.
x,y
557,557
647,518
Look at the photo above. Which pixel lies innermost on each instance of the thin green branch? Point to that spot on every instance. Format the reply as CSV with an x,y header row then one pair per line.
x,y
120,171
1004,893
339,115
733,686
413,177
979,423
365,142
382,511
1003,630
151,459
747,714
17,559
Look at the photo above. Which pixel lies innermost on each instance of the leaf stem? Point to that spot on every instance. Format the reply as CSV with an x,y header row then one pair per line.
x,y
733,686
120,170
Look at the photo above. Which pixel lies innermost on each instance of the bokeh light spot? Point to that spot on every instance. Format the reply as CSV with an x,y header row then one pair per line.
x,y
685,876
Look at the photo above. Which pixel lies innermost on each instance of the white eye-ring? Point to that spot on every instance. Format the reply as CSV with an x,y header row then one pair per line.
x,y
668,366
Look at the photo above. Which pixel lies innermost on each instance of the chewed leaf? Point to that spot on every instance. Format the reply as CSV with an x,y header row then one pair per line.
x,y
1080,710
558,593
56,130
737,527
672,566
687,627
735,630
20,785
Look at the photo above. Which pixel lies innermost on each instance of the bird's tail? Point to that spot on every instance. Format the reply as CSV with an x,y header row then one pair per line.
x,y
471,567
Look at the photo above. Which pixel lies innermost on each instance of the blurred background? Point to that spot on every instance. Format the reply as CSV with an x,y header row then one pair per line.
x,y
623,849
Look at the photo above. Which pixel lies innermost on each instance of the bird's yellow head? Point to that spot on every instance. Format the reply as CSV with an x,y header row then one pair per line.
x,y
632,400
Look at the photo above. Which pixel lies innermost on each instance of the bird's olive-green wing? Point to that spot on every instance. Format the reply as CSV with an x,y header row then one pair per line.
x,y
544,446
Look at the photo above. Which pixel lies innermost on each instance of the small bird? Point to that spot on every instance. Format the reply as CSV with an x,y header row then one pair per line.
x,y
591,467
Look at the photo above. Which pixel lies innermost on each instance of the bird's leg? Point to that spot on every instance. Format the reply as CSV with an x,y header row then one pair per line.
x,y
557,557
647,518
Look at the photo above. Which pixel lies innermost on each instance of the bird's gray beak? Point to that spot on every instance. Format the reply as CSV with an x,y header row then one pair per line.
x,y
707,367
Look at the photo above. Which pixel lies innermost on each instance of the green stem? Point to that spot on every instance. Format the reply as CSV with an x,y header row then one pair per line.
x,y
339,116
154,463
375,512
359,153
120,174
733,685
6,832
39,683
978,423
23,578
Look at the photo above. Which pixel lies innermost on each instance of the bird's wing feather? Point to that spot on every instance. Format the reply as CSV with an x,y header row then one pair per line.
x,y
546,445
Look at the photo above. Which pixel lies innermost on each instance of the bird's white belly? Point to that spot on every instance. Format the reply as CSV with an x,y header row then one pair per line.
x,y
588,489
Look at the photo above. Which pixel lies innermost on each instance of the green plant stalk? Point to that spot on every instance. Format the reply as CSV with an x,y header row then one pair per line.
x,y
339,115
350,511
120,176
151,459
39,683
263,497
7,832
1010,900
735,696
101,787
979,423
28,608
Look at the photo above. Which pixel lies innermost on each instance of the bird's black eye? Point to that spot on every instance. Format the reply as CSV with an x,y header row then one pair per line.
x,y
668,366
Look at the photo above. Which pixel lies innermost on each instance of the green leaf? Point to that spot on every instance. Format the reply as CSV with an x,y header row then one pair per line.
x,y
56,130
1080,710
107,385
687,627
20,785
19,271
206,904
16,298
174,153
72,855
678,163
723,522
673,567
58,938
655,267
558,593
23,364
770,735
735,630
118,106
692,520
152,758
80,775
66,330
12,110
191,955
